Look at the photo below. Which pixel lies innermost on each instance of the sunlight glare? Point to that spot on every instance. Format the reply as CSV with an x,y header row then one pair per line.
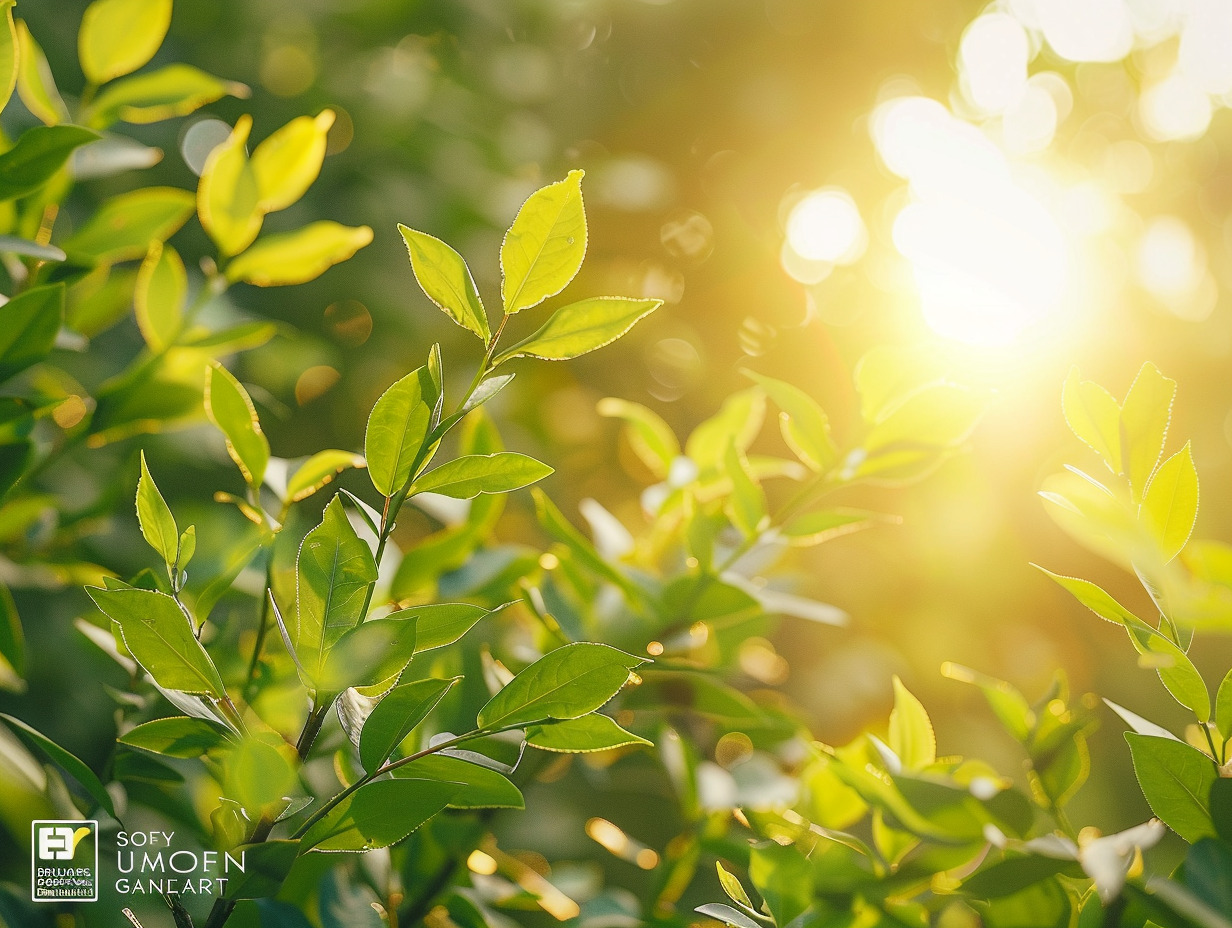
x,y
1171,262
993,59
1086,30
826,226
1175,108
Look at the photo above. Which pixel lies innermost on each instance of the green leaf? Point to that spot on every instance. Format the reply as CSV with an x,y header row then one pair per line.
x,y
1170,503
319,470
784,878
119,36
651,439
803,423
1094,416
175,90
1176,781
739,420
71,764
563,684
397,428
39,153
379,814
482,788
468,476
287,162
162,285
28,326
178,736
367,654
1007,703
911,731
12,644
727,915
154,516
746,507
582,327
266,866
35,84
123,227
442,274
1145,416
333,571
585,735
299,256
9,54
159,637
1223,707
259,774
188,545
731,886
396,715
543,249
227,194
441,624
230,409
813,528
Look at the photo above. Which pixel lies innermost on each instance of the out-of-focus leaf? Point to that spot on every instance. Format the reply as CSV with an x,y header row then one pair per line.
x,y
71,764
784,878
543,249
1145,416
1170,503
911,731
397,428
804,424
367,654
813,528
38,154
28,326
112,155
123,227
563,684
482,788
1223,707
289,161
594,732
739,420
731,886
178,736
441,624
746,507
227,194
379,814
35,84
158,635
230,409
1094,416
468,476
727,915
299,256
940,416
175,90
442,274
9,53
162,285
582,327
651,439
13,245
12,639
319,470
1176,781
155,518
266,865
119,36
396,715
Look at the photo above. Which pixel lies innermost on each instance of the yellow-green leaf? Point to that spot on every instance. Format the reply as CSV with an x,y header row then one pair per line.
x,y
582,327
35,84
119,36
1094,416
122,229
442,274
176,90
1170,504
911,730
651,439
289,161
8,53
154,516
319,470
739,420
397,427
746,507
544,247
162,285
1145,416
299,256
230,409
803,423
227,195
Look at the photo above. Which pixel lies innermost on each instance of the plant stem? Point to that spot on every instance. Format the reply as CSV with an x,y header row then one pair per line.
x,y
262,628
312,728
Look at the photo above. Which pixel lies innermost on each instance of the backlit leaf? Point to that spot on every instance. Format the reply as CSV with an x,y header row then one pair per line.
x,y
289,161
441,624
227,194
544,248
119,36
582,327
379,814
739,420
746,506
468,476
1170,503
395,716
35,84
12,642
162,285
230,409
1094,416
1176,781
159,637
299,256
804,424
563,684
651,439
176,90
367,654
482,787
319,470
9,53
1145,416
155,519
442,274
911,730
178,736
594,732
123,227
37,155
397,428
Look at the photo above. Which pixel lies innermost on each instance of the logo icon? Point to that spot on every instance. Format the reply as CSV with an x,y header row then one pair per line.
x,y
64,861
